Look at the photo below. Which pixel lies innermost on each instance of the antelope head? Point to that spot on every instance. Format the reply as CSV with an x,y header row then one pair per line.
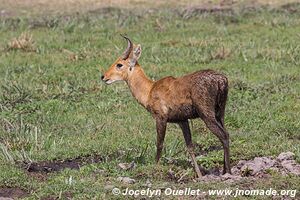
x,y
124,66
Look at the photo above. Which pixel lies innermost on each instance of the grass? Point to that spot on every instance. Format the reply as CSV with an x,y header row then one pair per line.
x,y
53,105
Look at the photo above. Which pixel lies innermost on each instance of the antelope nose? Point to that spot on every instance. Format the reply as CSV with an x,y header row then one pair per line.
x,y
102,77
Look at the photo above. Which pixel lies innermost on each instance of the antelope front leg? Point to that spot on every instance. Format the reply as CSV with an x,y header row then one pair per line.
x,y
188,140
161,132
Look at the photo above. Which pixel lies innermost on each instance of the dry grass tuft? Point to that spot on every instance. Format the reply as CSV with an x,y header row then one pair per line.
x,y
81,55
24,42
221,53
159,26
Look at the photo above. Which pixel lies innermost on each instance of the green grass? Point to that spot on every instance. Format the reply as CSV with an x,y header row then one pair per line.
x,y
53,105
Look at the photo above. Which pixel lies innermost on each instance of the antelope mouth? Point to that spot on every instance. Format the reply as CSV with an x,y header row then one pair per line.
x,y
108,81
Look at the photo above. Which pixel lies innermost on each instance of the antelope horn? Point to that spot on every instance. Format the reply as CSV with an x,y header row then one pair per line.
x,y
128,49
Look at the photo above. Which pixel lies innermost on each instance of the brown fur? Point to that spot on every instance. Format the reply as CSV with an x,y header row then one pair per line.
x,y
201,94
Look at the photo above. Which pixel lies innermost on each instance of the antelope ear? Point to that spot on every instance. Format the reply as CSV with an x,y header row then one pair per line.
x,y
136,53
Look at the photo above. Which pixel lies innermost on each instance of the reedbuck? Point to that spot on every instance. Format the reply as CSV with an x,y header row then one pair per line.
x,y
176,100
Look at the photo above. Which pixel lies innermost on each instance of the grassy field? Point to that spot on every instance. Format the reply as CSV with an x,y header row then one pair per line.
x,y
54,106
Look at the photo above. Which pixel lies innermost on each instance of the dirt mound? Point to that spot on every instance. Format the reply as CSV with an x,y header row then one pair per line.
x,y
260,167
284,163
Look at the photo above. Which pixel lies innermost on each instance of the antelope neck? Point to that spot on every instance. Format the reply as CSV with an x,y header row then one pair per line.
x,y
140,85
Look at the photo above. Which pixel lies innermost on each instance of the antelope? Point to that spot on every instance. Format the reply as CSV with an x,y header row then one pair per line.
x,y
201,94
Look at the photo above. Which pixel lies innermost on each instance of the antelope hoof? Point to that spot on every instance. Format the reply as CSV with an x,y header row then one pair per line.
x,y
199,175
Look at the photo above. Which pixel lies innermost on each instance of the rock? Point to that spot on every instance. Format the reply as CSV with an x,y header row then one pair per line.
x,y
126,180
127,166
109,187
286,156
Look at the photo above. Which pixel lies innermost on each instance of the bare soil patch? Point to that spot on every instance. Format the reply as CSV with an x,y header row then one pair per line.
x,y
58,165
6,192
257,168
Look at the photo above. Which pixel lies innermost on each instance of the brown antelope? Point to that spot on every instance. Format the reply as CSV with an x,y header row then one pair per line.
x,y
176,100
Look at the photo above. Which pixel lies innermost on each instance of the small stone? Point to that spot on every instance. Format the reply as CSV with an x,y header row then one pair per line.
x,y
286,156
121,153
109,187
148,183
127,166
126,180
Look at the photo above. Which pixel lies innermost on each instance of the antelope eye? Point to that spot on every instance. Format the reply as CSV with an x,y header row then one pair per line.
x,y
119,65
